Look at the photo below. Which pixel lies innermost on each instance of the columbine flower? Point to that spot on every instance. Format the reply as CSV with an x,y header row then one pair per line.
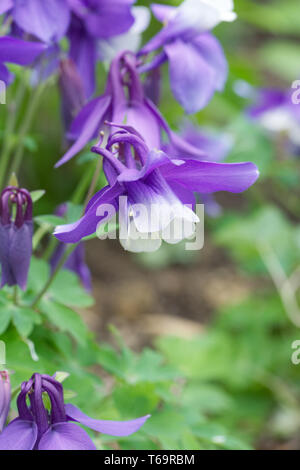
x,y
197,63
275,111
124,100
149,177
16,51
76,261
5,395
15,236
37,428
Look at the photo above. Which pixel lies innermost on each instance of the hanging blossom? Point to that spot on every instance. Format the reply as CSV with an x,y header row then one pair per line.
x,y
5,396
17,51
76,261
124,99
275,111
37,428
16,228
85,22
216,147
162,186
197,64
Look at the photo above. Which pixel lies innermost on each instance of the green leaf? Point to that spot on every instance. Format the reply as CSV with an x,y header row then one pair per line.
x,y
66,289
65,320
24,319
52,220
135,400
5,317
38,194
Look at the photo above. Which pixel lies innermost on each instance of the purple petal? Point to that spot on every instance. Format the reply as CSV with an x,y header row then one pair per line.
x,y
142,118
15,254
212,51
66,436
192,77
73,233
47,20
19,435
19,52
88,122
268,99
20,251
83,51
5,6
163,13
208,177
112,428
110,18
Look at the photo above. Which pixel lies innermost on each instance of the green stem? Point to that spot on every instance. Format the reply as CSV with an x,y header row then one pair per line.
x,y
39,235
10,127
25,127
53,276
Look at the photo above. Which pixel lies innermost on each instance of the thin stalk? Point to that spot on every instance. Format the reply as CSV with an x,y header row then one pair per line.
x,y
10,127
53,276
25,127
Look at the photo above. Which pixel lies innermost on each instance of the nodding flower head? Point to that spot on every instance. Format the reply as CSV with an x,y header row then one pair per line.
x,y
161,185
16,229
55,427
5,395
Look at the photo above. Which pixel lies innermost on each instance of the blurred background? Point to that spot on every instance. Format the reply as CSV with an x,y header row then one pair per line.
x,y
223,319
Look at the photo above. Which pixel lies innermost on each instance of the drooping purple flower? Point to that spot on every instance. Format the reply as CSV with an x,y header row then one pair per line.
x,y
151,178
76,261
15,236
17,51
71,91
5,396
37,428
91,21
123,100
197,64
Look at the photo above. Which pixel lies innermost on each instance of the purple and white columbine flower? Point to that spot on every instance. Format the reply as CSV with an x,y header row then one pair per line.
x,y
15,236
196,59
149,177
5,396
76,261
123,100
37,428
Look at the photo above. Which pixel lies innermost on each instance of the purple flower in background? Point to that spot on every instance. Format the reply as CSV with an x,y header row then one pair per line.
x,y
71,91
5,396
215,146
15,236
275,111
196,59
37,428
91,21
150,177
123,100
76,261
17,51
